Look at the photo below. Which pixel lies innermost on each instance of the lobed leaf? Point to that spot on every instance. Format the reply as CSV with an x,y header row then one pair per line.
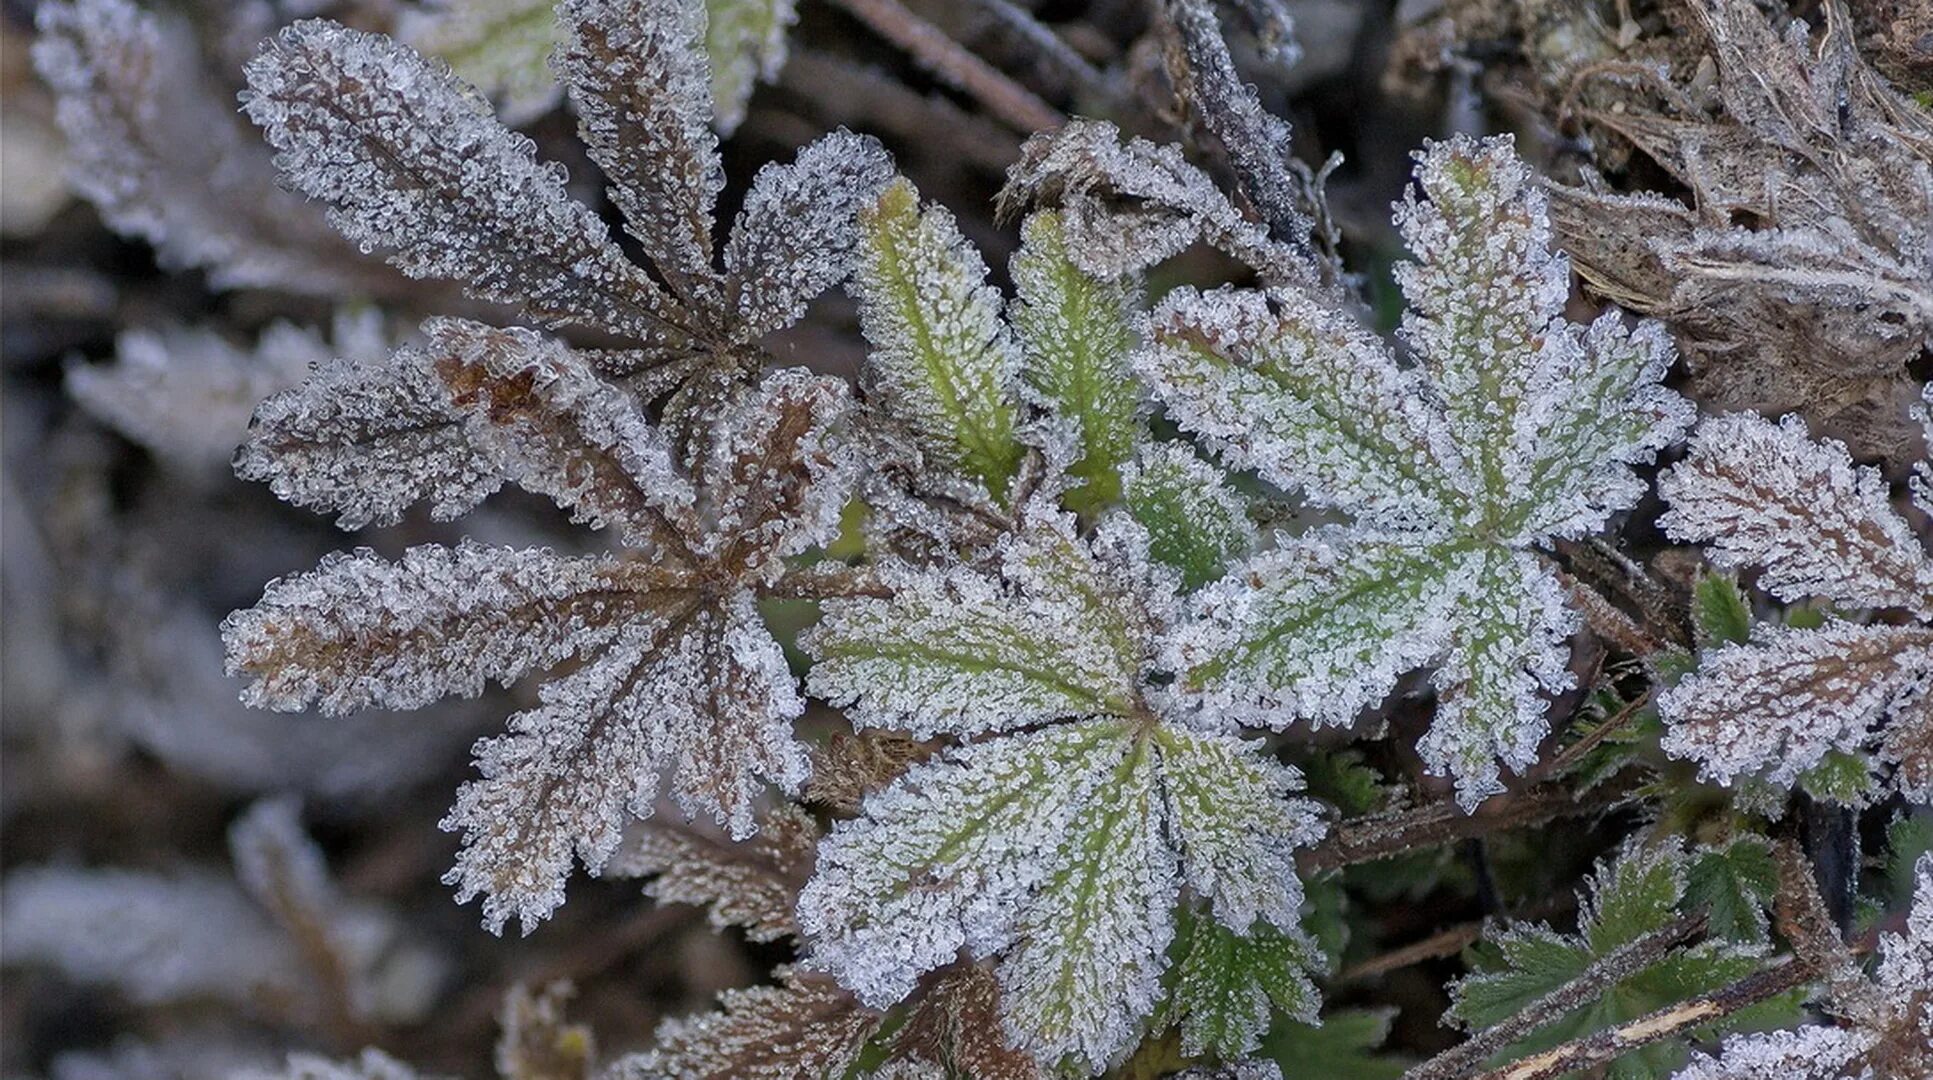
x,y
1764,494
804,1026
409,158
699,699
751,885
1228,986
745,41
502,47
1075,333
942,363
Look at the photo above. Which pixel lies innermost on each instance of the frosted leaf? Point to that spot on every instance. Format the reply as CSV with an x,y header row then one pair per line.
x,y
804,1026
1059,848
1306,396
752,884
1233,816
942,363
1517,428
953,650
1890,1030
502,47
795,236
537,1041
1323,626
745,40
1811,1053
699,699
958,1022
155,938
1228,986
779,472
159,151
372,1064
1766,495
1075,333
1509,652
974,833
367,439
848,766
1091,947
1778,704
1128,206
187,393
636,73
360,630
551,425
411,159
1196,523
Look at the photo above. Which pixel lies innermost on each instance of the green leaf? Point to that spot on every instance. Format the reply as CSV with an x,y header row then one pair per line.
x,y
501,47
1197,523
1075,334
952,650
1342,1047
1642,890
746,42
1346,779
1733,885
1228,985
1720,612
942,363
1845,777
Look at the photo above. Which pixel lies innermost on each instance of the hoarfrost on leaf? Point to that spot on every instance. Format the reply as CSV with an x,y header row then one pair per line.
x,y
1517,429
1764,494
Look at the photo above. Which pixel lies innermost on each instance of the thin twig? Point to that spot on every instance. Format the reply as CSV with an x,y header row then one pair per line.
x,y
1072,65
1562,761
1613,1043
1441,943
1603,973
1256,142
948,60
1380,836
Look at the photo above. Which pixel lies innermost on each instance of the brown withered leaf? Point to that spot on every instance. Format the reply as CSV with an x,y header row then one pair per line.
x,y
678,681
805,1026
956,1025
851,765
754,885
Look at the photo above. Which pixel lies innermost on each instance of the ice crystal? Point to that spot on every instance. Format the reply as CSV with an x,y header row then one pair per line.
x,y
1889,1028
752,885
1063,848
804,1026
680,681
1518,428
1764,494
411,159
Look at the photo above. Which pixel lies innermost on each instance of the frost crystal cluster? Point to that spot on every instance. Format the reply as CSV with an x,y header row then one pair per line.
x,y
1767,495
1516,428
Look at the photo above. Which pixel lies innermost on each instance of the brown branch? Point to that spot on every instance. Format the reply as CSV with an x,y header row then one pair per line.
x,y
1441,943
1380,836
949,61
1255,141
1562,761
1603,973
1613,1043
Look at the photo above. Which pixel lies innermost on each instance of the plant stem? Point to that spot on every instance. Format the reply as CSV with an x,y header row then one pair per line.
x,y
1380,836
948,60
1612,1043
1603,973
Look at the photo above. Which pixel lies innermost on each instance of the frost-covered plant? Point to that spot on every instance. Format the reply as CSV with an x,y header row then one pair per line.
x,y
503,47
1516,428
1887,1019
1766,495
680,682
